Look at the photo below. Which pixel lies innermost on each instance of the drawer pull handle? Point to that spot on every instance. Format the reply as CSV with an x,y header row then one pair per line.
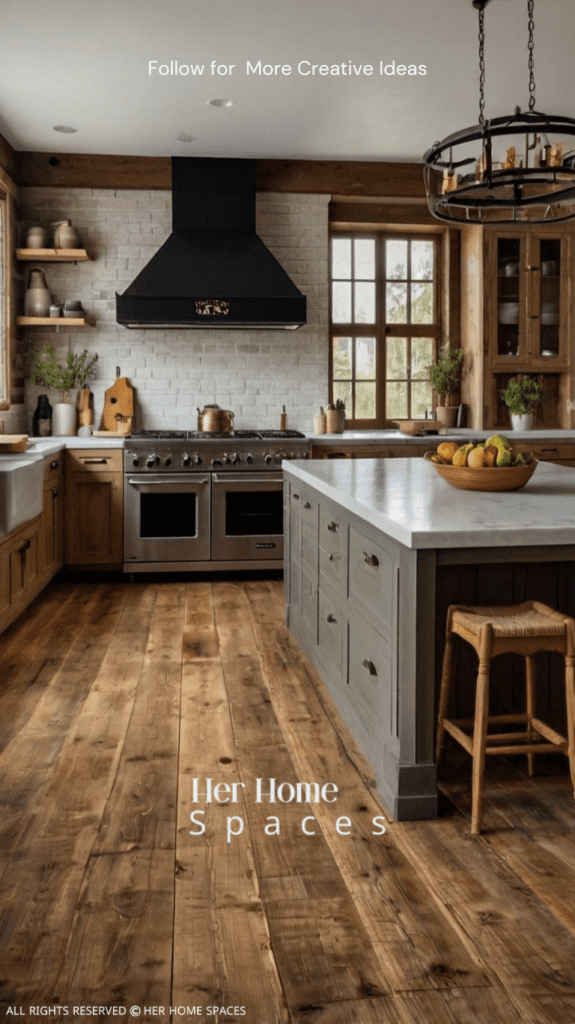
x,y
55,492
54,464
307,504
26,545
333,527
95,462
296,497
368,664
372,560
331,618
550,451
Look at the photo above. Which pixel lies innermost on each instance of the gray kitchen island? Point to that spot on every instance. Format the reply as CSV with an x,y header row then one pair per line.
x,y
376,550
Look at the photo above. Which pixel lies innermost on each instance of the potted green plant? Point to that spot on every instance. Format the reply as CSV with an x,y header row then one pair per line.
x,y
445,379
521,396
78,369
335,417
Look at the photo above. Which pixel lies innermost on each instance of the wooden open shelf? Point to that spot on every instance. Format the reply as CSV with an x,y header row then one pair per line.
x,y
53,255
51,321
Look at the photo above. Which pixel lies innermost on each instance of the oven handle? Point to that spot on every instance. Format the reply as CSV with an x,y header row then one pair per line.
x,y
167,478
248,478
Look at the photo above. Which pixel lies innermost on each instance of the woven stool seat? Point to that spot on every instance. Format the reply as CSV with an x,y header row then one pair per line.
x,y
524,629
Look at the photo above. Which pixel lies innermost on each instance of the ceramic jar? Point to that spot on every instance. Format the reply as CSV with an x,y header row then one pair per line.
x,y
66,236
64,419
36,238
37,300
524,422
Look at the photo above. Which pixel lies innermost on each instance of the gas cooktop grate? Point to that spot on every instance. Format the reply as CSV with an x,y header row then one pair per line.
x,y
203,435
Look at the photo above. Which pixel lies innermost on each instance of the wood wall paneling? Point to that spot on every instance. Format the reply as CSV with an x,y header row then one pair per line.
x,y
354,178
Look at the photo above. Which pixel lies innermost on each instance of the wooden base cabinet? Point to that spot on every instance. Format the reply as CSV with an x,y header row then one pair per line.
x,y
52,533
20,578
94,508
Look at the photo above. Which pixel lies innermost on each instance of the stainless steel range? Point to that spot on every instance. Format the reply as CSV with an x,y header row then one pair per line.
x,y
206,501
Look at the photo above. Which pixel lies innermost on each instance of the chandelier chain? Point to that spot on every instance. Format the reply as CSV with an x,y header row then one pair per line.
x,y
482,67
530,47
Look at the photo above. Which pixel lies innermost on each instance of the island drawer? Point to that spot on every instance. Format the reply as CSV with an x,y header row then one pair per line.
x,y
371,581
303,504
332,629
98,460
333,548
371,679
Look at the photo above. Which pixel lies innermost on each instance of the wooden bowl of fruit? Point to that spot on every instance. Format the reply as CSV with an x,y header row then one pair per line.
x,y
491,466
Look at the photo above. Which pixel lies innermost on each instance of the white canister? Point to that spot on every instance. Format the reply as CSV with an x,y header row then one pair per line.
x,y
64,419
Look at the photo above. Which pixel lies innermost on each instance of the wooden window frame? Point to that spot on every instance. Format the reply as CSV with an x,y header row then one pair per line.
x,y
5,281
380,330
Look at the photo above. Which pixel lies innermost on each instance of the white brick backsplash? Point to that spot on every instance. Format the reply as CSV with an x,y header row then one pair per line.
x,y
252,372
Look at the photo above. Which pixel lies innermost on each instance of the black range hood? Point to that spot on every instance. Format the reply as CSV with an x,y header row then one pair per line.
x,y
213,270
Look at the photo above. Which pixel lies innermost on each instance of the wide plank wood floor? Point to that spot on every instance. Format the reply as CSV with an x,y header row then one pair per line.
x,y
114,698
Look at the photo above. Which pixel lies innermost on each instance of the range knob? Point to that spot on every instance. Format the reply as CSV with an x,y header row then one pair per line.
x,y
234,459
280,456
186,460
153,460
249,458
168,461
268,457
135,462
198,460
216,463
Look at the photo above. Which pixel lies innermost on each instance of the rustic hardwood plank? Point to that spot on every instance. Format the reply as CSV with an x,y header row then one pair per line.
x,y
322,946
222,948
57,825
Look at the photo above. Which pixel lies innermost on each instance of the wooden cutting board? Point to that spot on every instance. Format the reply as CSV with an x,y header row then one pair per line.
x,y
118,406
13,442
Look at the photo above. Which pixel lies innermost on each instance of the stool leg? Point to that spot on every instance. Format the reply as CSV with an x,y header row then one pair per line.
x,y
530,669
480,728
444,692
570,695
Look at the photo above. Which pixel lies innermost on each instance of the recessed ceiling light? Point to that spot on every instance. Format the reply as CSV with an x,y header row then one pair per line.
x,y
220,103
184,137
65,129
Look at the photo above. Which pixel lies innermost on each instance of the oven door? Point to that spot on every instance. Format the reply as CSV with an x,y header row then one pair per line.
x,y
247,516
166,518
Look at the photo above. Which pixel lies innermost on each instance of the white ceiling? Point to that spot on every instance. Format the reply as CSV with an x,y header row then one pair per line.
x,y
85,64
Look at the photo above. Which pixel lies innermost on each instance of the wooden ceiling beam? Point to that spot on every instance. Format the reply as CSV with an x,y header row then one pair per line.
x,y
344,178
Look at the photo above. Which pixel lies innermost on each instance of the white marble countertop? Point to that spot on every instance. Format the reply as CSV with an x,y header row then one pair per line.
x,y
407,500
395,437
50,445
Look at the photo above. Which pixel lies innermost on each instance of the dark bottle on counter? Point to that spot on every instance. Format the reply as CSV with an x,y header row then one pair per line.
x,y
42,419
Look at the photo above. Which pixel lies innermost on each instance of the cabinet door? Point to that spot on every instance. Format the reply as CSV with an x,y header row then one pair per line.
x,y
506,298
94,518
547,301
23,562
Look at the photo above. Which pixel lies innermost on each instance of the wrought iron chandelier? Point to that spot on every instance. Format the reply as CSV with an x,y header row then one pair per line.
x,y
485,174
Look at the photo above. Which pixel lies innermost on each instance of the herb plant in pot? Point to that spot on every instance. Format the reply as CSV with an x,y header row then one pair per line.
x,y
445,379
74,374
521,396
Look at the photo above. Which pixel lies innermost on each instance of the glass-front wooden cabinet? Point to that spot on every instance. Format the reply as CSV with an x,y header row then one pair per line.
x,y
527,299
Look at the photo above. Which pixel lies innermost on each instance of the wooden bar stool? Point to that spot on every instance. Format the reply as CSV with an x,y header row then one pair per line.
x,y
520,629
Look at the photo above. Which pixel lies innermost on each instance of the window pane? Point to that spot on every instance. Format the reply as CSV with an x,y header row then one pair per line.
x,y
396,364
364,252
342,358
364,312
365,358
341,257
422,303
342,389
421,357
396,259
397,401
341,302
422,261
365,400
421,399
396,303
